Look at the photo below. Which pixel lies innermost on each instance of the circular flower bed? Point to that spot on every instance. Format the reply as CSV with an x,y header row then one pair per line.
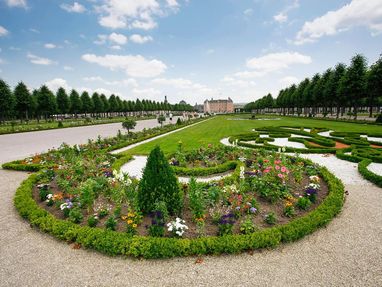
x,y
270,198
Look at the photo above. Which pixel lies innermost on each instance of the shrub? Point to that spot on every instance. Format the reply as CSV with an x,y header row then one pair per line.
x,y
270,218
226,224
379,119
93,221
159,183
111,223
247,226
60,124
156,229
129,124
75,215
303,203
178,122
289,211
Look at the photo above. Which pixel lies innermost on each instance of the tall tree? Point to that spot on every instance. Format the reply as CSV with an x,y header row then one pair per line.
x,y
23,100
87,104
355,81
332,90
75,103
63,102
97,104
7,101
46,100
374,85
113,105
105,102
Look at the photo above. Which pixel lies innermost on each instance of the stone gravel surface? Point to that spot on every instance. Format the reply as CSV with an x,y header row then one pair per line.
x,y
348,252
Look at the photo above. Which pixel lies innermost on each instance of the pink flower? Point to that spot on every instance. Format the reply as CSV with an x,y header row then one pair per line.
x,y
266,160
277,167
266,170
280,175
277,161
283,169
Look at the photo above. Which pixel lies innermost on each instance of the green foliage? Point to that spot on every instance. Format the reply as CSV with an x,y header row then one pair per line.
x,y
75,215
113,243
129,124
289,211
197,201
270,218
203,171
159,183
369,175
93,221
247,226
303,203
111,223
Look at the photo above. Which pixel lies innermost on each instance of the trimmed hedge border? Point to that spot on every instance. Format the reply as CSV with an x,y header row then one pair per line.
x,y
18,166
203,171
367,174
115,243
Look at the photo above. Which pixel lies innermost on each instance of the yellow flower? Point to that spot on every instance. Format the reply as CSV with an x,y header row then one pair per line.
x,y
129,221
124,217
134,225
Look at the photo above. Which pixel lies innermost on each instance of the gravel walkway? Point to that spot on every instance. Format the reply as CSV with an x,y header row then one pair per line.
x,y
345,253
375,167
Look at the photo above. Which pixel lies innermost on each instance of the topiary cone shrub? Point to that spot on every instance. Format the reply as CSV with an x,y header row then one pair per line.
x,y
159,183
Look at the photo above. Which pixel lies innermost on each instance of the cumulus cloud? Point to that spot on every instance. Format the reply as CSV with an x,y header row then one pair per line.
x,y
74,8
248,12
57,83
282,17
237,83
68,68
272,62
3,31
133,14
136,38
39,60
118,38
365,13
287,81
134,66
17,3
50,46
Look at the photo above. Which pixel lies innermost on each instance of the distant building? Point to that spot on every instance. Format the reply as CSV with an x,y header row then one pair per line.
x,y
199,108
182,103
239,108
218,106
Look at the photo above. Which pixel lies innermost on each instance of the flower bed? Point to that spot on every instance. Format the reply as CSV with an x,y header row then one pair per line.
x,y
80,198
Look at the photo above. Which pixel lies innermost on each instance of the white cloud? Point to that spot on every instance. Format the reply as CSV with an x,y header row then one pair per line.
x,y
17,3
68,68
57,83
281,17
118,38
210,51
237,83
148,93
287,81
101,39
3,31
132,83
133,14
248,12
272,62
34,30
134,66
50,46
366,13
116,47
75,8
39,60
136,38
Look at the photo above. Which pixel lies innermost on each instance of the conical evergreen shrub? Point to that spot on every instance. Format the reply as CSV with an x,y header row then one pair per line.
x,y
159,183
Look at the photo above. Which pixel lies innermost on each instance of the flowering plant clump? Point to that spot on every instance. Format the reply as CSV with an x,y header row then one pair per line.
x,y
177,227
157,227
226,224
132,219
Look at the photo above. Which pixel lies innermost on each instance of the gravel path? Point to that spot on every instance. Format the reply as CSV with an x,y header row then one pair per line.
x,y
375,167
22,145
345,253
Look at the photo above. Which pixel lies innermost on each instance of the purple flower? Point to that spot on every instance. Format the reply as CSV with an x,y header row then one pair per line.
x,y
253,209
310,191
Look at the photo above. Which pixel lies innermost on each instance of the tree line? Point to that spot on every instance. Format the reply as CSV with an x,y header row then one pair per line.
x,y
42,103
337,90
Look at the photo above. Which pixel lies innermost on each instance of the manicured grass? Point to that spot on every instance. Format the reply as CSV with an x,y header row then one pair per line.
x,y
213,130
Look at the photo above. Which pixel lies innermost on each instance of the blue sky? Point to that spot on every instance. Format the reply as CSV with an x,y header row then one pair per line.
x,y
185,49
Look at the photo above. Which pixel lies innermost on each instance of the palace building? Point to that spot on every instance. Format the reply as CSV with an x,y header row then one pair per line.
x,y
218,106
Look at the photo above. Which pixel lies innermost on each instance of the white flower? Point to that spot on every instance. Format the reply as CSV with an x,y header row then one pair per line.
x,y
63,206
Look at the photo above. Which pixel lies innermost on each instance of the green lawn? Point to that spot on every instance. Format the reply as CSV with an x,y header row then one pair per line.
x,y
213,130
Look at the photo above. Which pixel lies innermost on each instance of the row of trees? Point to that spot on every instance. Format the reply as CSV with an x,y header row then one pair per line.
x,y
337,89
43,103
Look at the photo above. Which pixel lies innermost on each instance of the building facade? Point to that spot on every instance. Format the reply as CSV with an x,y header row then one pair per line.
x,y
218,106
